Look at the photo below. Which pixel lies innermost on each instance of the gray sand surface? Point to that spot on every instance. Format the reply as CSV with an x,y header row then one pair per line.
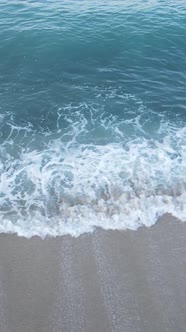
x,y
130,281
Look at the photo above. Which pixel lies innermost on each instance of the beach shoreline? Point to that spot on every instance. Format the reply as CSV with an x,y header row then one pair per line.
x,y
104,281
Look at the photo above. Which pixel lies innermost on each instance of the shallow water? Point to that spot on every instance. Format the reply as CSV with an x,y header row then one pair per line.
x,y
92,115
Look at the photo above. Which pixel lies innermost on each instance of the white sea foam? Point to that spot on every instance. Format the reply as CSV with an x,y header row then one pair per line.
x,y
71,189
94,170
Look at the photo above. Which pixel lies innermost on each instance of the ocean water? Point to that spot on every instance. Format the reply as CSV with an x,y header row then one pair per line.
x,y
92,114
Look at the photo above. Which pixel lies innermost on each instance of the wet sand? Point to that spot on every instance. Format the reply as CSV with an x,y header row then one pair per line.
x,y
126,281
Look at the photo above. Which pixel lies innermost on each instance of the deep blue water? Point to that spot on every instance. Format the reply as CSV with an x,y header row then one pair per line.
x,y
92,114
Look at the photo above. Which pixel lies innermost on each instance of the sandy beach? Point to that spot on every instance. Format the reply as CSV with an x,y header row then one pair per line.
x,y
106,281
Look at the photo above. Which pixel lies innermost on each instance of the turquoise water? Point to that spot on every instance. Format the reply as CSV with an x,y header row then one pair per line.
x,y
92,114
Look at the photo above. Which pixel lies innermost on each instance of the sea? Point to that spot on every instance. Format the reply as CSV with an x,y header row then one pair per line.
x,y
92,115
